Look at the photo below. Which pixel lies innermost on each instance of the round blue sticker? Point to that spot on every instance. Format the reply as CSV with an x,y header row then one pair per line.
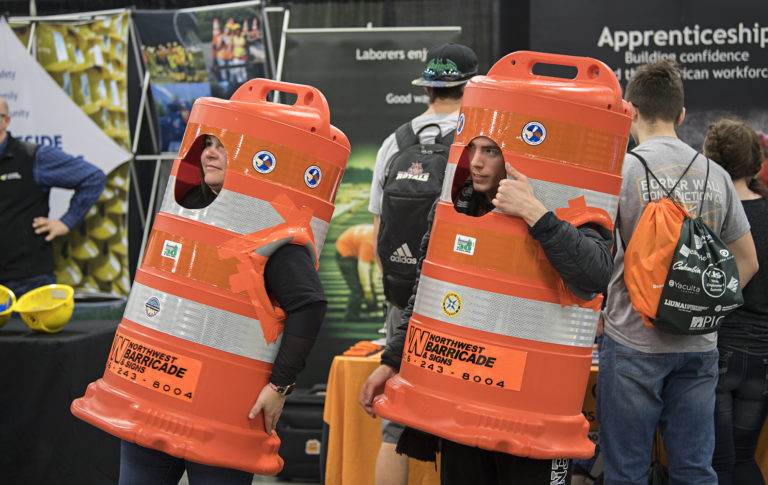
x,y
460,125
264,162
534,133
312,176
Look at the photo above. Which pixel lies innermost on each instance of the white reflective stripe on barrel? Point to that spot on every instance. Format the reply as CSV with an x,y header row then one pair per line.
x,y
201,324
553,196
237,213
508,315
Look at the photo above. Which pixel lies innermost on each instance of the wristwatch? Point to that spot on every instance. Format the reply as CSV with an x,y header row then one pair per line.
x,y
282,390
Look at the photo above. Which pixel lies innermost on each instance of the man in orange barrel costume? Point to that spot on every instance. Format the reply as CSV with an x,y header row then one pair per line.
x,y
486,181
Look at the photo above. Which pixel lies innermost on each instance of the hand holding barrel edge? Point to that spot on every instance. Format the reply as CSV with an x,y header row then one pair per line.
x,y
271,402
374,386
516,198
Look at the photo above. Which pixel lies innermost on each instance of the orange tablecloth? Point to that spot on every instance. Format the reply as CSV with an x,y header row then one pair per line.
x,y
353,436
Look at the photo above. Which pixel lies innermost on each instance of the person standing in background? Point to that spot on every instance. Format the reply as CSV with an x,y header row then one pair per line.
x,y
449,67
648,378
27,174
741,403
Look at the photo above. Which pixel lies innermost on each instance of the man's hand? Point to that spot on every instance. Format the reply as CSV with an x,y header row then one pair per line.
x,y
375,386
516,198
53,227
271,402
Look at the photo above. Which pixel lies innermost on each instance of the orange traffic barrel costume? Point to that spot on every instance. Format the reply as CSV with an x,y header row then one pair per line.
x,y
498,350
200,334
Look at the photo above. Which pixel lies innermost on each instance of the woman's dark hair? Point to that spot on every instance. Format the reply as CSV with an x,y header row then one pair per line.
x,y
736,147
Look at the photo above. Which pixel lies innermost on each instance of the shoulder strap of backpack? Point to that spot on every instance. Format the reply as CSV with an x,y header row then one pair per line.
x,y
446,139
706,180
405,136
669,192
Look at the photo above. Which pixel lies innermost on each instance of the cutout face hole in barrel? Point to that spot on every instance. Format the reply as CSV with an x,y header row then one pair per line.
x,y
203,171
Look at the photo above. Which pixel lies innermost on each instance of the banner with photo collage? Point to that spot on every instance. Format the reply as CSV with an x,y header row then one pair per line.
x,y
79,106
198,52
365,74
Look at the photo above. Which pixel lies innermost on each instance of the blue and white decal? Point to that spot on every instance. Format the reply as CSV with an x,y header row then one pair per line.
x,y
312,176
460,125
264,162
534,133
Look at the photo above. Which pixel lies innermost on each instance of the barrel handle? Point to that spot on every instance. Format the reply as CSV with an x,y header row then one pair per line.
x,y
520,65
256,90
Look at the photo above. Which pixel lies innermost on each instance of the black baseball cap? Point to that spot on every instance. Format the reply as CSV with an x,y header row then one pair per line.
x,y
448,65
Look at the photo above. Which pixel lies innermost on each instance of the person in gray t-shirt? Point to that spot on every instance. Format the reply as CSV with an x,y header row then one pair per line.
x,y
448,69
649,379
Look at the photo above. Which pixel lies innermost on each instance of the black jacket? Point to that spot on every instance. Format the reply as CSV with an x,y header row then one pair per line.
x,y
582,257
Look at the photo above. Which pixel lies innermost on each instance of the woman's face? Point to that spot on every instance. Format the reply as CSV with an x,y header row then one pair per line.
x,y
214,163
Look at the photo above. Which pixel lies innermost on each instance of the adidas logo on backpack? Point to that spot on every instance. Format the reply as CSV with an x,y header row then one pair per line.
x,y
403,255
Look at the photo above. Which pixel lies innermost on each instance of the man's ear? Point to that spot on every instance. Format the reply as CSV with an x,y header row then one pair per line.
x,y
681,117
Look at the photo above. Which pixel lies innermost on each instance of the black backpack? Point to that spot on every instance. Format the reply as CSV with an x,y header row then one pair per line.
x,y
413,180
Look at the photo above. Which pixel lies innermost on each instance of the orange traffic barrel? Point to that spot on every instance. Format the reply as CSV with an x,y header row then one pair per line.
x,y
199,335
498,350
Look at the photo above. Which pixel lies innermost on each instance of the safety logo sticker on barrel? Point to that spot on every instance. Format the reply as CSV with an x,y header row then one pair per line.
x,y
264,162
534,133
312,176
461,358
154,368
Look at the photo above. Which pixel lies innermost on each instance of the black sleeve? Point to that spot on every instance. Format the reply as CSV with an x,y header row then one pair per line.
x,y
291,278
582,256
393,353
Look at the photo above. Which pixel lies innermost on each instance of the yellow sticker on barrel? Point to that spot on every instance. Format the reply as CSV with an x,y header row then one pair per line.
x,y
153,367
482,363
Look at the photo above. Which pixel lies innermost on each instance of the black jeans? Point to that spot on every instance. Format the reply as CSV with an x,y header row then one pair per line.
x,y
741,405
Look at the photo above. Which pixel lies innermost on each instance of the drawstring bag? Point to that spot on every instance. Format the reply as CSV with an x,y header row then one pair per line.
x,y
681,277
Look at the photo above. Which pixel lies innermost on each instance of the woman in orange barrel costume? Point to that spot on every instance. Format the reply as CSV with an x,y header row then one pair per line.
x,y
290,277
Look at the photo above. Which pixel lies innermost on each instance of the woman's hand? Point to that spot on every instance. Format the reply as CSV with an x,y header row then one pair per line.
x,y
271,403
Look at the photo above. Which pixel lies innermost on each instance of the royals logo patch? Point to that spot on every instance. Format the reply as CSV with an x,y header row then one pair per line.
x,y
414,172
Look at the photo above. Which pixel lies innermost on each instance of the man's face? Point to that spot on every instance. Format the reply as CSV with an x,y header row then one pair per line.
x,y
486,166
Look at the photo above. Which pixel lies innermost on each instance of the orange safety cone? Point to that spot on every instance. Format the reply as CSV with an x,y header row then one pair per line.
x,y
498,350
215,32
199,335
245,28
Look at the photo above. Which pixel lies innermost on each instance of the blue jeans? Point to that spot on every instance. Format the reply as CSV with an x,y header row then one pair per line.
x,y
741,405
638,392
144,466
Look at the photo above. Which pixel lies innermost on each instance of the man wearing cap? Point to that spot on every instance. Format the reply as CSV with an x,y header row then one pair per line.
x,y
448,69
27,173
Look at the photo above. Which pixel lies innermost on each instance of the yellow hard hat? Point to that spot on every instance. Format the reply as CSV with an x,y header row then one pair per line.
x,y
47,308
7,301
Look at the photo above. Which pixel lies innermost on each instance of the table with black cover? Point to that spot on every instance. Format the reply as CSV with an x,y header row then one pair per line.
x,y
41,442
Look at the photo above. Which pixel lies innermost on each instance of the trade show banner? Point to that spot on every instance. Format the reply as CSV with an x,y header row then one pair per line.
x,y
64,111
365,74
721,49
196,52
